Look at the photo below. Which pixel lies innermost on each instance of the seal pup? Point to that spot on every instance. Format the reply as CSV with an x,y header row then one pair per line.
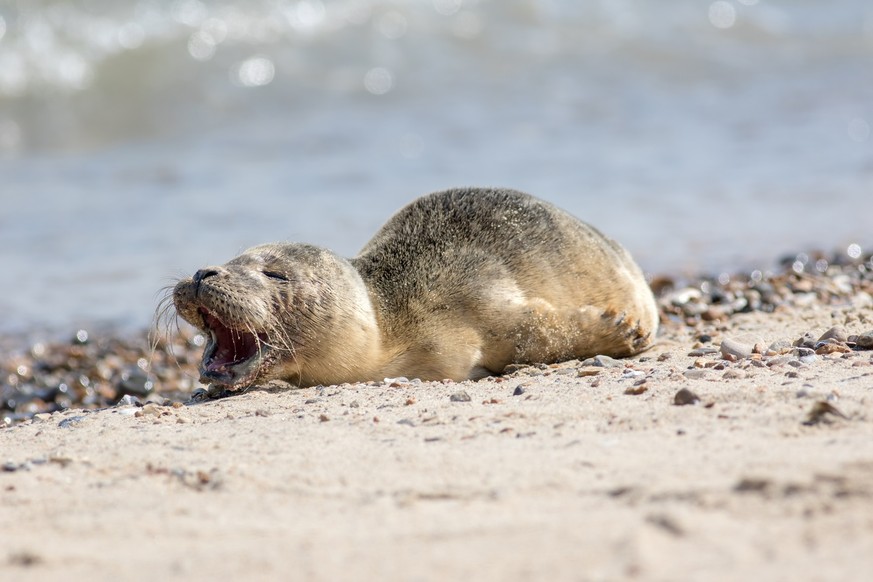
x,y
458,284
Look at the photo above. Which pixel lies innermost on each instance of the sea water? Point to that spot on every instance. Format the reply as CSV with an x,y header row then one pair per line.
x,y
140,140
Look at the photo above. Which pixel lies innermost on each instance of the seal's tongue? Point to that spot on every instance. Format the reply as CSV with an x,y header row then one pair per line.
x,y
231,346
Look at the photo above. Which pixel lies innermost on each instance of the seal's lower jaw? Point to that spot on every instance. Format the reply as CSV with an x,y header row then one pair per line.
x,y
232,357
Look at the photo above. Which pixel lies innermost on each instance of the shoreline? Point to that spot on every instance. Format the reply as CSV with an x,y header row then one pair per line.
x,y
740,446
96,368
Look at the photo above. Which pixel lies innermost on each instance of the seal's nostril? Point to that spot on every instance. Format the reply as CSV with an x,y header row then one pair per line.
x,y
203,274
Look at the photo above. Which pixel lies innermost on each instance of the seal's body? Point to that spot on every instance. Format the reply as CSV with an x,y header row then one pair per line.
x,y
458,284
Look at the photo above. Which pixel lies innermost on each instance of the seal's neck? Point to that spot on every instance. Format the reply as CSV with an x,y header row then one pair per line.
x,y
348,345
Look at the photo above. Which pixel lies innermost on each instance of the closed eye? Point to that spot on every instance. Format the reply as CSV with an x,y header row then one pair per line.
x,y
276,275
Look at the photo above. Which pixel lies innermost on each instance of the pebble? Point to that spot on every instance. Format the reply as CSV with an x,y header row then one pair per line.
x,y
685,397
702,352
461,396
603,362
733,375
778,347
695,374
71,421
636,389
837,333
519,390
865,341
831,347
129,400
136,382
735,349
399,380
820,410
589,371
807,340
779,361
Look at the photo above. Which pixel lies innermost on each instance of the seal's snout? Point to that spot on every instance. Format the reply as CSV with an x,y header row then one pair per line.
x,y
200,275
203,274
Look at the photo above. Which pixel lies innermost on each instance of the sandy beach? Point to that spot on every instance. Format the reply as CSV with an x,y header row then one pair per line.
x,y
725,144
695,460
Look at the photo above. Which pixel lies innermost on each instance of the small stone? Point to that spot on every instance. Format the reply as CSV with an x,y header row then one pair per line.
x,y
837,333
736,349
398,381
778,347
685,397
800,352
136,382
512,368
751,485
406,422
683,296
779,361
695,374
865,341
461,396
702,352
805,341
60,459
603,362
820,410
589,371
519,390
733,375
42,416
831,347
323,418
151,410
129,400
71,421
636,390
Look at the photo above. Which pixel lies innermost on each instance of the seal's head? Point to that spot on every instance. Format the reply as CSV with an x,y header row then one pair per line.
x,y
267,313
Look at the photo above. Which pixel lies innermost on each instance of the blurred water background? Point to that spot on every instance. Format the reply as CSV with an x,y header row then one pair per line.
x,y
140,140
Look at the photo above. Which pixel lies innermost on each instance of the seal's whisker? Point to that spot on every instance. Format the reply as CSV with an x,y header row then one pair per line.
x,y
164,318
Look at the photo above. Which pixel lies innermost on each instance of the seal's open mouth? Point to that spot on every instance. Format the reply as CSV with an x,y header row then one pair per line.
x,y
231,356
